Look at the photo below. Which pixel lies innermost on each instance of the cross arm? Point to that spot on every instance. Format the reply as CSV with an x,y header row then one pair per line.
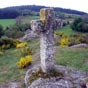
x,y
37,26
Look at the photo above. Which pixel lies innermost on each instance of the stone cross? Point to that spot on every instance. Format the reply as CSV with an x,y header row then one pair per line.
x,y
45,28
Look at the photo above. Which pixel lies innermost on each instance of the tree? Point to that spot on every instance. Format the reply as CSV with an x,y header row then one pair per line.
x,y
1,31
79,25
85,18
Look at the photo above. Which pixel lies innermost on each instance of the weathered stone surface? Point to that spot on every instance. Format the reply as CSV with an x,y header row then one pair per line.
x,y
72,79
29,35
83,45
29,73
45,28
51,83
59,23
14,85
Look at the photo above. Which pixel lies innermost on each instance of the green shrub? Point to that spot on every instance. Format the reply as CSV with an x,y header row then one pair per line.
x,y
1,30
6,43
14,33
25,51
79,25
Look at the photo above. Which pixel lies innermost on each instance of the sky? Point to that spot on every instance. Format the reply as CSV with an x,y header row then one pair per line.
x,y
81,5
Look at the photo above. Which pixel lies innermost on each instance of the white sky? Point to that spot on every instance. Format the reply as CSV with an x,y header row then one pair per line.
x,y
81,5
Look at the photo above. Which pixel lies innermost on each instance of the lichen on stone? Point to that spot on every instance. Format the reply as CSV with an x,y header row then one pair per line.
x,y
44,15
40,74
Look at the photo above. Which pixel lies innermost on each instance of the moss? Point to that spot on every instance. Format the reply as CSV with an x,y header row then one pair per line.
x,y
40,74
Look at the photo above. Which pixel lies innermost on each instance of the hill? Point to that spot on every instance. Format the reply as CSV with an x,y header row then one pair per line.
x,y
13,12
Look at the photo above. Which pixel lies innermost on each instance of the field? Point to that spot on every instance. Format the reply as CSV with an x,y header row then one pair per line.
x,y
7,22
72,57
66,30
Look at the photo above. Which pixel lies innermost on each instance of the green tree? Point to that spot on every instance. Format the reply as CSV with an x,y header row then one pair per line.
x,y
79,25
1,31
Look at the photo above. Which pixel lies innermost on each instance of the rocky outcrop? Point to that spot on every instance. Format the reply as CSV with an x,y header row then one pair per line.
x,y
82,45
51,83
71,79
29,35
12,85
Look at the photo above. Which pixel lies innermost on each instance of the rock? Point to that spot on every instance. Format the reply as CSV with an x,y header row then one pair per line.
x,y
4,87
83,45
87,84
71,79
51,83
29,35
14,85
29,73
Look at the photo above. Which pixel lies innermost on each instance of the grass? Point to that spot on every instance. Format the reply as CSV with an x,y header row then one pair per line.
x,y
66,30
8,68
7,22
73,57
26,19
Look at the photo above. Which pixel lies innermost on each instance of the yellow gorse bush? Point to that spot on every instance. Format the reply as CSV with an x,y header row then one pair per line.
x,y
64,41
24,61
1,53
21,45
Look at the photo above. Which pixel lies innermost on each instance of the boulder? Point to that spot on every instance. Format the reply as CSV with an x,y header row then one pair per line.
x,y
71,79
29,35
82,45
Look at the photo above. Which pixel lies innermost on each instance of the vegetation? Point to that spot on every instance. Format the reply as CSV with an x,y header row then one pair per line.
x,y
8,68
24,61
1,30
9,59
79,25
73,57
64,41
16,31
6,43
67,37
8,13
66,30
32,10
21,45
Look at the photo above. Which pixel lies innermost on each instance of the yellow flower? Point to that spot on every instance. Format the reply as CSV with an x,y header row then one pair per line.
x,y
64,41
24,61
21,45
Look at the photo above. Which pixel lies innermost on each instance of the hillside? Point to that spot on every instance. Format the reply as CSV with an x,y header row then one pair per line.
x,y
13,12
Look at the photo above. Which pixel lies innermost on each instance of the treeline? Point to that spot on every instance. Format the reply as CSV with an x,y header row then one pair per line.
x,y
13,12
8,13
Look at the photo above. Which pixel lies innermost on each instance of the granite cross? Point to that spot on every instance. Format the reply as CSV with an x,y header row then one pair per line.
x,y
45,28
